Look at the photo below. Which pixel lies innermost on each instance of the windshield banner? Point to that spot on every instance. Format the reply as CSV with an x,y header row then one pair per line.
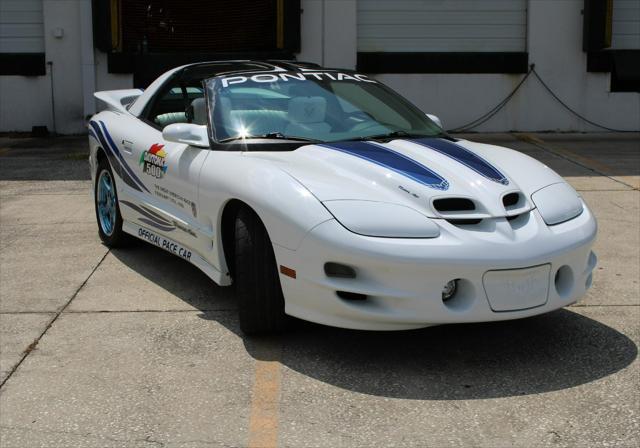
x,y
300,76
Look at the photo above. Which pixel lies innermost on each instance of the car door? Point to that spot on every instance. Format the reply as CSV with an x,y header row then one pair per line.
x,y
170,172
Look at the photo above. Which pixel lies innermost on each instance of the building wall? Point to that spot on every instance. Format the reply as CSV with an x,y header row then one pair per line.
x,y
554,44
329,37
27,101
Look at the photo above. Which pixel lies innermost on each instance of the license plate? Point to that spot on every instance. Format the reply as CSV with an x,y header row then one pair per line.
x,y
517,289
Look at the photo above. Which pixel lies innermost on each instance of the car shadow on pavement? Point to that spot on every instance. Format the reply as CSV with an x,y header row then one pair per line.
x,y
550,352
45,159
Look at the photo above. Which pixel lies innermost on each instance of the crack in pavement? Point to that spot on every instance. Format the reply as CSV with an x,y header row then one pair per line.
x,y
224,310
35,342
232,310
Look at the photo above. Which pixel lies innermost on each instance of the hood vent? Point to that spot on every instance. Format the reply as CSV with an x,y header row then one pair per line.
x,y
466,212
512,201
459,211
446,205
464,222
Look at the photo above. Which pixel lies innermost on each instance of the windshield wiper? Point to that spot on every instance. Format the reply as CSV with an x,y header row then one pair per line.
x,y
400,134
391,134
271,136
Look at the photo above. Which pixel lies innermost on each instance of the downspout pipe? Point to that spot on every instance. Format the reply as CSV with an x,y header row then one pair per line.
x,y
87,59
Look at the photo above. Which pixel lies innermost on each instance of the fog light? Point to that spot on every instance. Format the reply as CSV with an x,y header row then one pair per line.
x,y
449,290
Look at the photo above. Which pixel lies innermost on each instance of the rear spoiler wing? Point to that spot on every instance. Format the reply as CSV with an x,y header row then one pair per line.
x,y
118,100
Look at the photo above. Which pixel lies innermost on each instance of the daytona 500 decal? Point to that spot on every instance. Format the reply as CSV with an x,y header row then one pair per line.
x,y
153,161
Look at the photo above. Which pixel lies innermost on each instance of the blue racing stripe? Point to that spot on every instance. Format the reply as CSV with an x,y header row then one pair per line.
x,y
124,162
115,163
93,134
156,225
119,164
465,157
395,161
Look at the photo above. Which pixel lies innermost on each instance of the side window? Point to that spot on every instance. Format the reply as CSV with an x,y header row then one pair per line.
x,y
175,105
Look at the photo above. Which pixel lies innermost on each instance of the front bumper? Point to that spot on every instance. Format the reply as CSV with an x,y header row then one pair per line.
x,y
403,278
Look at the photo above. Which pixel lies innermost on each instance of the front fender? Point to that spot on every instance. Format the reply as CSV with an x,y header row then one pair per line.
x,y
287,209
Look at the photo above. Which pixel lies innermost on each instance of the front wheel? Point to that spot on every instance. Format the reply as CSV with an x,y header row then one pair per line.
x,y
260,299
107,209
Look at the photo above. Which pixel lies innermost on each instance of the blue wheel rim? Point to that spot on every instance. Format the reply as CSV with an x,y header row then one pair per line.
x,y
106,203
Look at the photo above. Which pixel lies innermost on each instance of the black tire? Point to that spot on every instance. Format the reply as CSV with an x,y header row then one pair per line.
x,y
258,290
117,238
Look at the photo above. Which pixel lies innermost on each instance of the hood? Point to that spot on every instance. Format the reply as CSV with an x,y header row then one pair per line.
x,y
440,178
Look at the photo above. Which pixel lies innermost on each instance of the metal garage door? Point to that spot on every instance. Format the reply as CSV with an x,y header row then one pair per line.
x,y
21,26
626,25
442,25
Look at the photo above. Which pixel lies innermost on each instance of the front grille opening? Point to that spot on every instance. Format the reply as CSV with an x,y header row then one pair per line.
x,y
464,222
510,200
351,296
514,217
339,270
454,205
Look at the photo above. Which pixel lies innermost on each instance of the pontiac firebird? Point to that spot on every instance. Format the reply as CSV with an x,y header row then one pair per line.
x,y
324,195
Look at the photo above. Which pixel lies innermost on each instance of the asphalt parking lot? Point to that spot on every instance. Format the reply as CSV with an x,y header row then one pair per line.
x,y
136,348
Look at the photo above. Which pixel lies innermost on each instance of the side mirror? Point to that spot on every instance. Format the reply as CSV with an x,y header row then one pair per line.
x,y
435,119
188,133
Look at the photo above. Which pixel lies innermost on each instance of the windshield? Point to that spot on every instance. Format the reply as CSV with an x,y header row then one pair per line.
x,y
315,106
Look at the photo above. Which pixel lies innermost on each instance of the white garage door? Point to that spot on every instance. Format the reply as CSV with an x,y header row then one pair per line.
x,y
442,25
625,33
21,26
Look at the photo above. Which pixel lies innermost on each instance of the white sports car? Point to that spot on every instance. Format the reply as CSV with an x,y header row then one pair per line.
x,y
324,195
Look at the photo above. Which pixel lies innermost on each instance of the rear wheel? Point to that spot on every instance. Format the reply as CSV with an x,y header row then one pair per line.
x,y
260,299
107,209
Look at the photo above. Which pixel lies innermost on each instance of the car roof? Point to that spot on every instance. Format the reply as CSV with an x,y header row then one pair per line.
x,y
209,69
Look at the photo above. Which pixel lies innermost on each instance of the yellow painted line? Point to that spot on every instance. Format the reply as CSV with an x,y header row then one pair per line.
x,y
586,161
265,403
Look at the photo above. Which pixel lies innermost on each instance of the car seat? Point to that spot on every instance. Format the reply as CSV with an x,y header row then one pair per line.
x,y
307,117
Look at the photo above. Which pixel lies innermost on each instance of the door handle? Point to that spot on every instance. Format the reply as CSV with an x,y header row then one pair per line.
x,y
127,146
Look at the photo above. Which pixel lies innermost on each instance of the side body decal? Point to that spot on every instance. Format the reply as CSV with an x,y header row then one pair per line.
x,y
118,163
150,217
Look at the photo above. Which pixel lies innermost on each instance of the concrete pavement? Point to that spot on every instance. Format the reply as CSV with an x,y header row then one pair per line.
x,y
134,347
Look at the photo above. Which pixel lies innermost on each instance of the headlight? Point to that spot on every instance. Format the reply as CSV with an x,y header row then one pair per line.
x,y
557,203
382,219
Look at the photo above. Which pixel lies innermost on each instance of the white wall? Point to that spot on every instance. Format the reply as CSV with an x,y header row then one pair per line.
x,y
328,32
554,43
626,24
21,29
452,25
26,101
329,37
